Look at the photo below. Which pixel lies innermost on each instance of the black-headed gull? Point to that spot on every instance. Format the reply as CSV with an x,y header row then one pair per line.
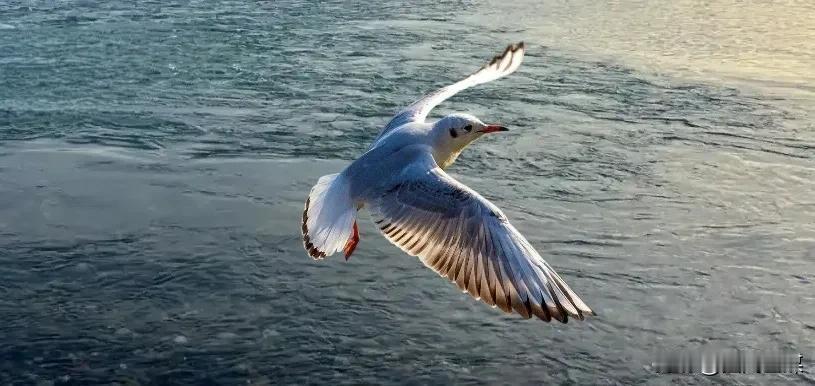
x,y
425,212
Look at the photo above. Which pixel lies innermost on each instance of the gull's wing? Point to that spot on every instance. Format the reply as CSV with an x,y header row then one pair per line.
x,y
465,238
501,65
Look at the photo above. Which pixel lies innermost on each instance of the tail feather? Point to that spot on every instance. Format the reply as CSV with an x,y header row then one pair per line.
x,y
329,218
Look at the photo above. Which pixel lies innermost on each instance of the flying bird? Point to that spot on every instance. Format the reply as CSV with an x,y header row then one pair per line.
x,y
424,211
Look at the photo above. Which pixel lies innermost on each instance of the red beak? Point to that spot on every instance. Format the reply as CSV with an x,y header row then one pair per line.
x,y
493,129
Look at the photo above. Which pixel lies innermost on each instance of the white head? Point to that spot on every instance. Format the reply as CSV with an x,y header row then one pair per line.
x,y
451,134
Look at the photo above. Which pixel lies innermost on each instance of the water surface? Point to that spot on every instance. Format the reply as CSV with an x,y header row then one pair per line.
x,y
155,158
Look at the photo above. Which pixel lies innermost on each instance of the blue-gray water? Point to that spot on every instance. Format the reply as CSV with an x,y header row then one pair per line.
x,y
154,160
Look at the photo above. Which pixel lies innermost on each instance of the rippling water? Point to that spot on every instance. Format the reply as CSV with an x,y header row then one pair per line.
x,y
155,158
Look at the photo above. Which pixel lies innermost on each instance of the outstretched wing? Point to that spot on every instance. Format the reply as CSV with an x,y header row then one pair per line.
x,y
501,65
465,238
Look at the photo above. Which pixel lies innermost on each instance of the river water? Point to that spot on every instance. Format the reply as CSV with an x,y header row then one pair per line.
x,y
155,157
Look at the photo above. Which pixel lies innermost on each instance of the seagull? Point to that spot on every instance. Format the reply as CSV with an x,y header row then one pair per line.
x,y
420,208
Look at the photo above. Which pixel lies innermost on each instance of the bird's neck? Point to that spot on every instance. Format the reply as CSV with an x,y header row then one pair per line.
x,y
445,152
445,158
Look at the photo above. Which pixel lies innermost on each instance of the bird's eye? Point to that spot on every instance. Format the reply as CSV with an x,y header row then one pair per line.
x,y
453,132
468,128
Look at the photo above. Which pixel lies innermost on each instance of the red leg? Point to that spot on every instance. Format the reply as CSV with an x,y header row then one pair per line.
x,y
352,243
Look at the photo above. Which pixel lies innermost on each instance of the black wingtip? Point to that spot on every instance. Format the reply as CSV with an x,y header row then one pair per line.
x,y
313,251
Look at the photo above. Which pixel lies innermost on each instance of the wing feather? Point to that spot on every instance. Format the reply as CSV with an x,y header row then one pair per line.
x,y
465,238
501,65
